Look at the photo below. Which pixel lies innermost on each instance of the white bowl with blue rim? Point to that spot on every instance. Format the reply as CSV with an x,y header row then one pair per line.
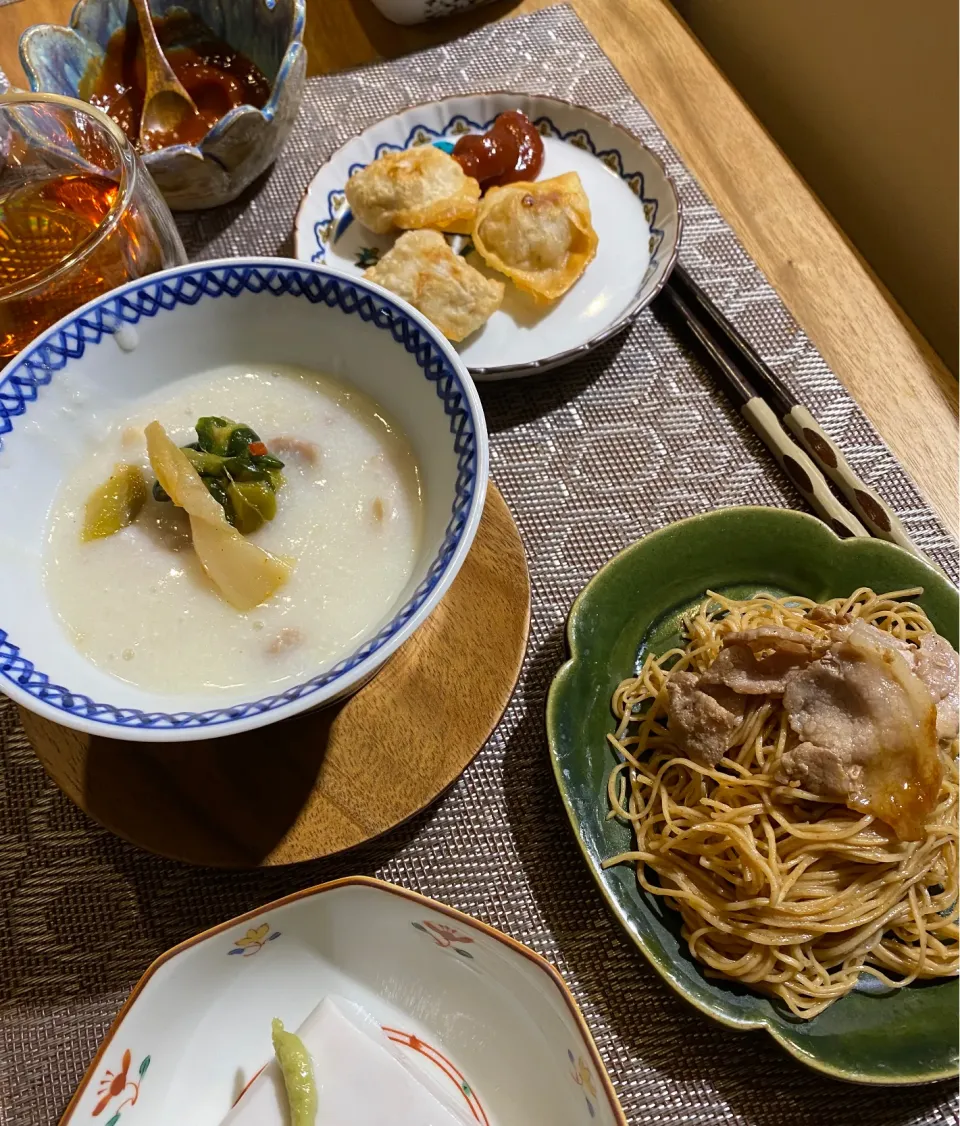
x,y
244,141
634,205
487,1023
181,322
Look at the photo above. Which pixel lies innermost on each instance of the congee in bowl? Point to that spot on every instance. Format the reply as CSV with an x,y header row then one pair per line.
x,y
239,488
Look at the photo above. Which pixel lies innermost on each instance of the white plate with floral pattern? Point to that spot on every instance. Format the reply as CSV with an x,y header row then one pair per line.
x,y
489,1022
634,206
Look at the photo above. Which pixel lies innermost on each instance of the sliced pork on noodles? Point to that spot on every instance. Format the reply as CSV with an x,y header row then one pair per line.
x,y
866,707
790,776
936,665
868,730
702,721
760,662
706,710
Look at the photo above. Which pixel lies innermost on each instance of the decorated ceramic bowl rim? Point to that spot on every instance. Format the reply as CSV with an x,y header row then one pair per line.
x,y
114,309
370,882
217,130
126,158
633,309
665,967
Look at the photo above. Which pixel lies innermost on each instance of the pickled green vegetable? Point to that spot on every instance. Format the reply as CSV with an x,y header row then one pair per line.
x,y
218,490
253,503
237,470
268,461
115,503
212,434
213,465
246,471
297,1070
240,439
225,437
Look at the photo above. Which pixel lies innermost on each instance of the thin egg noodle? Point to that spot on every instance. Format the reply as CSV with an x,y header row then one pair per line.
x,y
785,891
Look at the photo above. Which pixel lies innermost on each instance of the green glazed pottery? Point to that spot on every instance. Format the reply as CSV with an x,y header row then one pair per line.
x,y
634,605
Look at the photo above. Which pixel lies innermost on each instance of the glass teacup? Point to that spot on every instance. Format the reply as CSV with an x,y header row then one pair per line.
x,y
79,213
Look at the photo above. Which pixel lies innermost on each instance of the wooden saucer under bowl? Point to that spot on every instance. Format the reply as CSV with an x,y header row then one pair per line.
x,y
334,778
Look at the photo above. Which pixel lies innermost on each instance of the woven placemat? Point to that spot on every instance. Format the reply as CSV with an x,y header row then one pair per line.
x,y
589,458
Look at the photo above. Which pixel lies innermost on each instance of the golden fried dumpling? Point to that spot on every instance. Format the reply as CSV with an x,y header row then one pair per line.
x,y
422,269
539,234
419,187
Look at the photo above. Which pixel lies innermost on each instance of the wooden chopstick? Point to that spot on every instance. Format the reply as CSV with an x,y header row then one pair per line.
x,y
761,417
877,516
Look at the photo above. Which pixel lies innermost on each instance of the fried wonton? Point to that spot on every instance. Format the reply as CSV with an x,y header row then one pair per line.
x,y
422,269
420,187
539,234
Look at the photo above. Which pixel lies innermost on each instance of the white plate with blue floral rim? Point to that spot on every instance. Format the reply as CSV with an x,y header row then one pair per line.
x,y
635,209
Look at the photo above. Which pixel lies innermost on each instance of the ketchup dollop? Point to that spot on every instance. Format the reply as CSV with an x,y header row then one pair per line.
x,y
510,150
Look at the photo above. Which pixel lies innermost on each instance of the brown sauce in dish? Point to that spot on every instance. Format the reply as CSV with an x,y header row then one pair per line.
x,y
217,77
510,150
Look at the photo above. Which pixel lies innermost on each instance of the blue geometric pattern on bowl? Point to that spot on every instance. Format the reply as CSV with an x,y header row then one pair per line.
x,y
326,231
243,142
39,364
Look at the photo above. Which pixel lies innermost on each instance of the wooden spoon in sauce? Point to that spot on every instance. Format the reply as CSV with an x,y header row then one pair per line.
x,y
165,101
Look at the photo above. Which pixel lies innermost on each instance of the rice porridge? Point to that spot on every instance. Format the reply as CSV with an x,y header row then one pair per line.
x,y
138,603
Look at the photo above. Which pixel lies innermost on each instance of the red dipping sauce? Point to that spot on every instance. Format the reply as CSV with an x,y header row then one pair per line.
x,y
510,150
217,77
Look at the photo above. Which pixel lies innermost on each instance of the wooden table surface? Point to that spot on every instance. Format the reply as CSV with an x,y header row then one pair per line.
x,y
863,335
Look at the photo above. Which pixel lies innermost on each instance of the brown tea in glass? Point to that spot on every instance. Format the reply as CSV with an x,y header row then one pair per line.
x,y
79,214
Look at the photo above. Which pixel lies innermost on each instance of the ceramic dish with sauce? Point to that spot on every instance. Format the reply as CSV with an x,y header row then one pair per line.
x,y
329,466
244,64
633,207
485,1023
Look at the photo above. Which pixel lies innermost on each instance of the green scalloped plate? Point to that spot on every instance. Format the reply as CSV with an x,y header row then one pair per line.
x,y
634,604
